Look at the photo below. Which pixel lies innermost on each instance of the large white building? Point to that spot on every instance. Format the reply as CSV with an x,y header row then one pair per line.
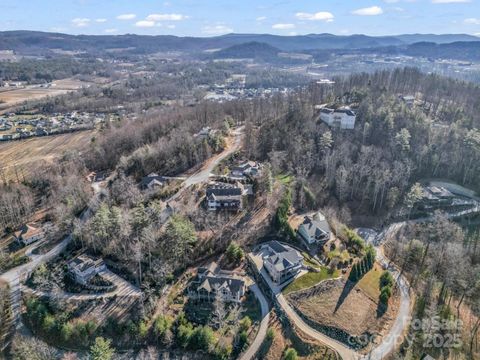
x,y
343,118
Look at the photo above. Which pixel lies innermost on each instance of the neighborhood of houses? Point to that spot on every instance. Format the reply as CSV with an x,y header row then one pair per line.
x,y
14,127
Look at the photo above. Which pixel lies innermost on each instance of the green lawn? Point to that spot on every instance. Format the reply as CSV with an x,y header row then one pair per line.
x,y
370,282
310,279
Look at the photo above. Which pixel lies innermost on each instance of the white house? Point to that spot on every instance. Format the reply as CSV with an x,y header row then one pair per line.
x,y
343,117
314,229
83,268
28,234
282,262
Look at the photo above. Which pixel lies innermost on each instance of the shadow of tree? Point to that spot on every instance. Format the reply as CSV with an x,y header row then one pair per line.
x,y
381,309
349,285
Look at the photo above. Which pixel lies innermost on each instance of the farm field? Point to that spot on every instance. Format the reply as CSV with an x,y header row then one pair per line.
x,y
13,97
24,156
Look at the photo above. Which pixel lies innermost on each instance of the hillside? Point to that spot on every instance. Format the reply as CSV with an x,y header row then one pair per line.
x,y
252,50
41,43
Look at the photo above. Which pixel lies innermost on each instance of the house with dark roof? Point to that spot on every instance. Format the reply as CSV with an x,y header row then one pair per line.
x,y
220,196
211,281
152,182
248,168
314,229
28,234
436,197
83,268
281,261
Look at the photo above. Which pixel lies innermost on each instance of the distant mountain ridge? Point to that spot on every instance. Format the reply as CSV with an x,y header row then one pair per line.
x,y
33,42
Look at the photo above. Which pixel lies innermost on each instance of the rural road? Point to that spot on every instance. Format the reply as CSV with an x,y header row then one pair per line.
x,y
262,331
204,173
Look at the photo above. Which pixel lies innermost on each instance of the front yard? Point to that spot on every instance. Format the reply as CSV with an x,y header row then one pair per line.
x,y
310,279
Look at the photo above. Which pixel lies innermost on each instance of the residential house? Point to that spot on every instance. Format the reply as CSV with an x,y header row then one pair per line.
x,y
344,118
211,282
83,268
314,229
409,100
248,168
204,133
220,196
28,234
153,181
435,197
281,261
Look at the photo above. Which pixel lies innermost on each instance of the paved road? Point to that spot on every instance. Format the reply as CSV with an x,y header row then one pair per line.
x,y
204,173
262,331
345,352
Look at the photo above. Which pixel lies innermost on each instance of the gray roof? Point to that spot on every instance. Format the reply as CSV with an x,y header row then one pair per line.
x,y
315,227
212,278
152,177
223,191
282,256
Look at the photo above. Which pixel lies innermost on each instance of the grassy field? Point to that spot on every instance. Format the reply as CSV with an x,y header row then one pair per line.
x,y
17,96
370,282
22,157
310,279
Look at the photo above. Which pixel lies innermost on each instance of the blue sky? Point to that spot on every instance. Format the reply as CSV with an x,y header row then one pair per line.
x,y
216,17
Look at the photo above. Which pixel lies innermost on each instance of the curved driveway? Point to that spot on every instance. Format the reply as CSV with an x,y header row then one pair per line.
x,y
262,331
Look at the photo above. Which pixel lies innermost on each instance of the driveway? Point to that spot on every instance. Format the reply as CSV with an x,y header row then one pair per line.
x,y
14,276
345,352
262,331
123,288
389,342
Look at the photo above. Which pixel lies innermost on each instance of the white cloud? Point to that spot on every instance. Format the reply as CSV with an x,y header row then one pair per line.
x,y
145,23
472,21
368,11
101,20
81,22
283,26
166,17
318,16
216,29
111,31
126,17
450,1
261,18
